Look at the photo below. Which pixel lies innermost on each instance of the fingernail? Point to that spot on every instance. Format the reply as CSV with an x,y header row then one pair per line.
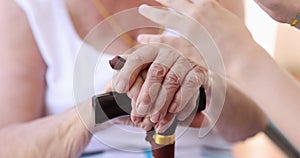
x,y
120,87
133,119
159,128
147,127
155,118
136,120
142,7
173,108
129,95
140,38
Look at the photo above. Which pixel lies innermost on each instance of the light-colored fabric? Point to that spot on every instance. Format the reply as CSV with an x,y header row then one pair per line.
x,y
59,43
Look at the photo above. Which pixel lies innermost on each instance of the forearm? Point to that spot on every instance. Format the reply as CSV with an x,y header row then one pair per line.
x,y
272,88
63,135
240,117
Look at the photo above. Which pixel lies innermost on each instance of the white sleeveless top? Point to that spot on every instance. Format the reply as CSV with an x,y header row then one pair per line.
x,y
59,43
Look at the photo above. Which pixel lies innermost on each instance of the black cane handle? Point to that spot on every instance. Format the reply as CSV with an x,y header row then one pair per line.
x,y
112,105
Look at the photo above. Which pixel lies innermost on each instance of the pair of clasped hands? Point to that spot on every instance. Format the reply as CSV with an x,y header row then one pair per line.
x,y
161,76
164,74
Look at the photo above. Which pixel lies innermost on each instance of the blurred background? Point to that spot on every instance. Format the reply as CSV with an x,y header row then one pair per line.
x,y
280,40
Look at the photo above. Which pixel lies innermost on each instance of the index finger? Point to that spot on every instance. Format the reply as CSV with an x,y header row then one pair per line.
x,y
135,63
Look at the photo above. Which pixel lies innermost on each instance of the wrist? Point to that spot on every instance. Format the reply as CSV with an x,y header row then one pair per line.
x,y
74,130
293,12
252,58
241,58
86,115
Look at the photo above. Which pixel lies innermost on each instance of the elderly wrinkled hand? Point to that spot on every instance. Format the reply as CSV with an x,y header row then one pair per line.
x,y
161,83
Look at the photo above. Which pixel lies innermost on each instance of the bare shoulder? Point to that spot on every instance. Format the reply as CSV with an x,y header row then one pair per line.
x,y
22,68
14,24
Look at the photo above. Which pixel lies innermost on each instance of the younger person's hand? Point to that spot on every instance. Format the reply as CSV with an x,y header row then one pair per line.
x,y
280,10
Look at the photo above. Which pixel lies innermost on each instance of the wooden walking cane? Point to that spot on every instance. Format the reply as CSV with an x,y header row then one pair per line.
x,y
111,105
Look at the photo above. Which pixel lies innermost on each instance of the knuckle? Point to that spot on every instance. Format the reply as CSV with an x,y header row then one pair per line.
x,y
136,58
192,80
157,71
200,71
172,80
202,74
188,63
